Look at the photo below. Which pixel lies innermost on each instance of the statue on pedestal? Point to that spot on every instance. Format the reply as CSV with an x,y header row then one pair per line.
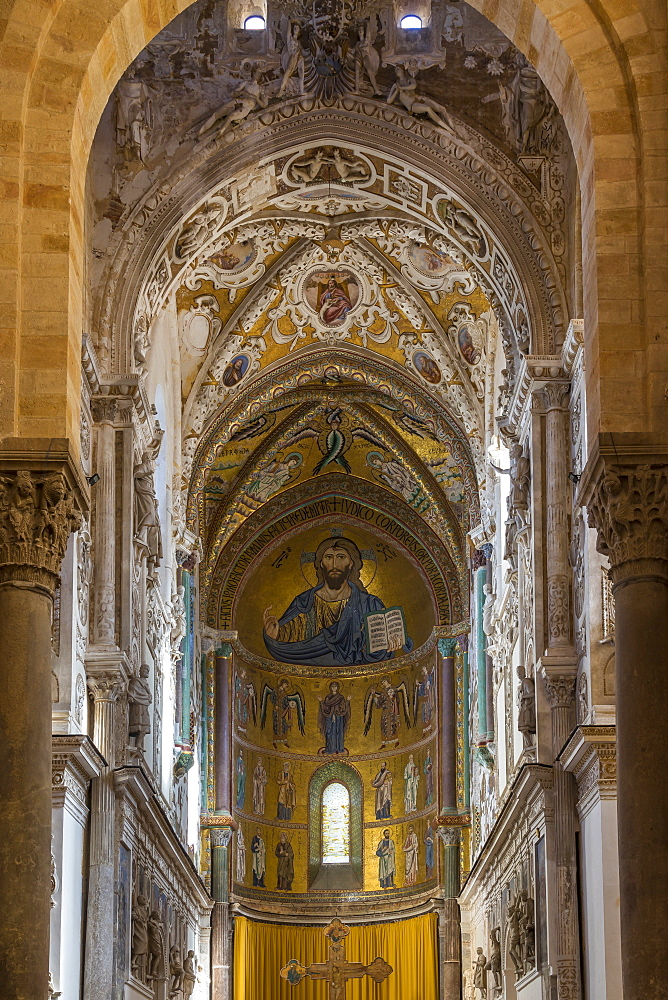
x,y
526,707
139,699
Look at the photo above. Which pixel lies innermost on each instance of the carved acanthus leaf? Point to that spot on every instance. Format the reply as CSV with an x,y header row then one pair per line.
x,y
37,515
629,509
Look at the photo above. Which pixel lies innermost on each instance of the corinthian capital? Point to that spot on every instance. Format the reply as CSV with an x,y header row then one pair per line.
x,y
629,509
38,512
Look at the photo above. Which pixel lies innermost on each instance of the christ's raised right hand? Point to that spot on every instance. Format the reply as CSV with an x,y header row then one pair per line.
x,y
270,623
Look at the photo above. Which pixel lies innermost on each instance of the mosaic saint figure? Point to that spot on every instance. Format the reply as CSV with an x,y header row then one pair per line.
x,y
411,781
241,856
287,793
429,850
428,780
386,697
386,861
334,719
259,865
411,849
259,785
245,699
383,785
286,863
325,624
425,698
286,703
240,769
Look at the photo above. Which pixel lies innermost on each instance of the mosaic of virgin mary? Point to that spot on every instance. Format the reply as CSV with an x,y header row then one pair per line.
x,y
324,624
332,294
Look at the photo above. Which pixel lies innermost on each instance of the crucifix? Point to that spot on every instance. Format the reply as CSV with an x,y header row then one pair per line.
x,y
336,971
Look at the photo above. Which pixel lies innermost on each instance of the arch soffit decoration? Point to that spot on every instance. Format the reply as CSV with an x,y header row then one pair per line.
x,y
476,175
376,380
430,502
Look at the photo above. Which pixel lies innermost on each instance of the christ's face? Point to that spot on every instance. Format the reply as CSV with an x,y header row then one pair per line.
x,y
336,567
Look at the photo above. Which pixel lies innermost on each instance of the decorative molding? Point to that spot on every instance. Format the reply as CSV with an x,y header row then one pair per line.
x,y
591,755
74,761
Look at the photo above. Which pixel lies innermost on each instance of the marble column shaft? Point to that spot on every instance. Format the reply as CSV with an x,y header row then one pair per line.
x,y
223,723
447,649
104,625
37,514
628,505
451,932
221,931
106,686
559,625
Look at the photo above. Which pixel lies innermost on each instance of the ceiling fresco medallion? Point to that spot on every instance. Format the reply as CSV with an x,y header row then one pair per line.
x,y
332,296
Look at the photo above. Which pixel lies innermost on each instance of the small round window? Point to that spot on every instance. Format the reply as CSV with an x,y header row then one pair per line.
x,y
411,22
255,23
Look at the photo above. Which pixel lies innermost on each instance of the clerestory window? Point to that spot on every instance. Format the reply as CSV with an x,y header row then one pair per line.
x,y
335,813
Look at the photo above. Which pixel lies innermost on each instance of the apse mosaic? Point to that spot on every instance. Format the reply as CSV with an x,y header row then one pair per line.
x,y
334,597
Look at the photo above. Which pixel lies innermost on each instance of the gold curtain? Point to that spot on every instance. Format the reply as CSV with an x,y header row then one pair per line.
x,y
409,946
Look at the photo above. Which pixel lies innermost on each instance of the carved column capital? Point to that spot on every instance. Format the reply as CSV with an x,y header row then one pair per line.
x,y
38,512
104,409
629,509
107,685
560,688
451,836
221,836
447,647
552,396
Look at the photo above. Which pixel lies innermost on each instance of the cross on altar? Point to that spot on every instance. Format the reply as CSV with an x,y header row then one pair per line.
x,y
336,971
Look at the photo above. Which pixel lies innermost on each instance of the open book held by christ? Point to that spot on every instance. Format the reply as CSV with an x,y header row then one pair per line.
x,y
381,627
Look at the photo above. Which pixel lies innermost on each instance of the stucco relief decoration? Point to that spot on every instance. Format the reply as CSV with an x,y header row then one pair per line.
x,y
200,325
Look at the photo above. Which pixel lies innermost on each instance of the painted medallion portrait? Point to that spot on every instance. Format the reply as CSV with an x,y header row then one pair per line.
x,y
332,295
429,261
426,367
470,352
233,258
236,370
336,597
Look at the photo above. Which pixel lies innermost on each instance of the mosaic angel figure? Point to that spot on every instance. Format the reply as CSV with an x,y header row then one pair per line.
x,y
286,704
389,699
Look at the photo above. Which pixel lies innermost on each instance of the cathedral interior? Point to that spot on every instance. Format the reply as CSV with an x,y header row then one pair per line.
x,y
333,500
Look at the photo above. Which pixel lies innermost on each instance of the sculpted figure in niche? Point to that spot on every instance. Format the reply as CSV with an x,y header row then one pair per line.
x,y
526,704
514,949
480,973
155,945
286,863
527,930
259,785
325,624
386,853
139,948
334,719
175,970
494,964
251,95
383,785
189,974
405,88
139,699
147,521
292,60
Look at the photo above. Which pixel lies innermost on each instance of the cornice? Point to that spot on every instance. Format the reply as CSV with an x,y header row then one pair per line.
x,y
591,755
74,761
133,785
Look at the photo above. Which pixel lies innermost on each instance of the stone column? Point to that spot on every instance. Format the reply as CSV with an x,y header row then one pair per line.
x,y
105,685
221,930
37,514
223,724
558,667
104,580
447,648
628,505
451,959
480,578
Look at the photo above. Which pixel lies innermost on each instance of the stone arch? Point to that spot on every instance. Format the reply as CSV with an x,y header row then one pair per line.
x,y
60,70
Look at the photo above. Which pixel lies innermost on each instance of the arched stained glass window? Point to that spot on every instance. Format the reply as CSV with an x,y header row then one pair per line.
x,y
335,824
